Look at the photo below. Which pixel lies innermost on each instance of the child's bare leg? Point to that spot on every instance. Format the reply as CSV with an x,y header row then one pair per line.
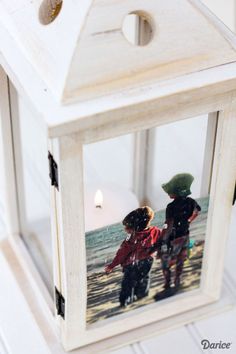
x,y
165,264
179,266
167,276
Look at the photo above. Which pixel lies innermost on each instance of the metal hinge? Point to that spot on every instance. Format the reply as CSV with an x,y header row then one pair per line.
x,y
53,171
234,197
60,303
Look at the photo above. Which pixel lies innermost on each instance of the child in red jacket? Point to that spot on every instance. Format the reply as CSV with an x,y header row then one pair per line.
x,y
135,255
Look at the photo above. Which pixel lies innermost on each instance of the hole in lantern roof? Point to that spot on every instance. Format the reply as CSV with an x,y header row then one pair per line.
x,y
49,10
138,28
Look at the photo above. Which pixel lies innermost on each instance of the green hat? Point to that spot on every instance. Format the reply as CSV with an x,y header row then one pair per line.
x,y
179,185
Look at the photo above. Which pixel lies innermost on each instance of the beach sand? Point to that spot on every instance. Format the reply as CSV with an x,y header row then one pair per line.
x,y
103,290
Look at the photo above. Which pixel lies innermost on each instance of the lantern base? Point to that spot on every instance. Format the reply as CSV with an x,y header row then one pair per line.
x,y
25,308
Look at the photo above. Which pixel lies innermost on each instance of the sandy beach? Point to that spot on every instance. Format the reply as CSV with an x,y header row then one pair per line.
x,y
103,290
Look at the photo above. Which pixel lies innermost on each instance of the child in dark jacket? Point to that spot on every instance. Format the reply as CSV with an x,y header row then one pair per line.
x,y
175,235
135,255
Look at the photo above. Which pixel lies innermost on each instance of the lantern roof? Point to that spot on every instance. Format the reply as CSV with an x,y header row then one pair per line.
x,y
72,60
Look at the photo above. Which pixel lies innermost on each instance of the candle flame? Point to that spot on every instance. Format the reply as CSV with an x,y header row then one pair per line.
x,y
98,199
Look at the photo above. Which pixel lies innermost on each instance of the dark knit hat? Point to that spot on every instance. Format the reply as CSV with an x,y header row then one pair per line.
x,y
179,185
139,218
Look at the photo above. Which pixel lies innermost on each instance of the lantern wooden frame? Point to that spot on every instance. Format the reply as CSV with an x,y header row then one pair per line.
x,y
69,240
136,108
68,152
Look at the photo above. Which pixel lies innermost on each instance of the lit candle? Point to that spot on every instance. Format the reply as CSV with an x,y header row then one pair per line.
x,y
107,205
98,199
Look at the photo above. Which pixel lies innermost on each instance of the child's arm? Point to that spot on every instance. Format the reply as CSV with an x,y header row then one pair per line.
x,y
120,256
167,230
193,216
164,237
108,269
196,211
169,223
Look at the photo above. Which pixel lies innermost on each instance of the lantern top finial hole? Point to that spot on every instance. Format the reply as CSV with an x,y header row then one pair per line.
x,y
49,10
138,28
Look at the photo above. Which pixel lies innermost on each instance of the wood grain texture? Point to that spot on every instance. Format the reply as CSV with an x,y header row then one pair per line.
x,y
39,331
169,342
14,337
186,38
222,188
10,191
230,262
13,193
209,153
71,221
62,120
73,239
17,159
97,59
55,232
47,48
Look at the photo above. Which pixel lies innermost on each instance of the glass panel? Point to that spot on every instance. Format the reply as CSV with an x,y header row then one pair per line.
x,y
149,256
108,175
177,147
34,191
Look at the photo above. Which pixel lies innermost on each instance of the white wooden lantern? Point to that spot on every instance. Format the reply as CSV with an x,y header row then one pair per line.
x,y
86,77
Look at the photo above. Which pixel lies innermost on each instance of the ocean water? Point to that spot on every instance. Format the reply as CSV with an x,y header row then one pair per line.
x,y
102,244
